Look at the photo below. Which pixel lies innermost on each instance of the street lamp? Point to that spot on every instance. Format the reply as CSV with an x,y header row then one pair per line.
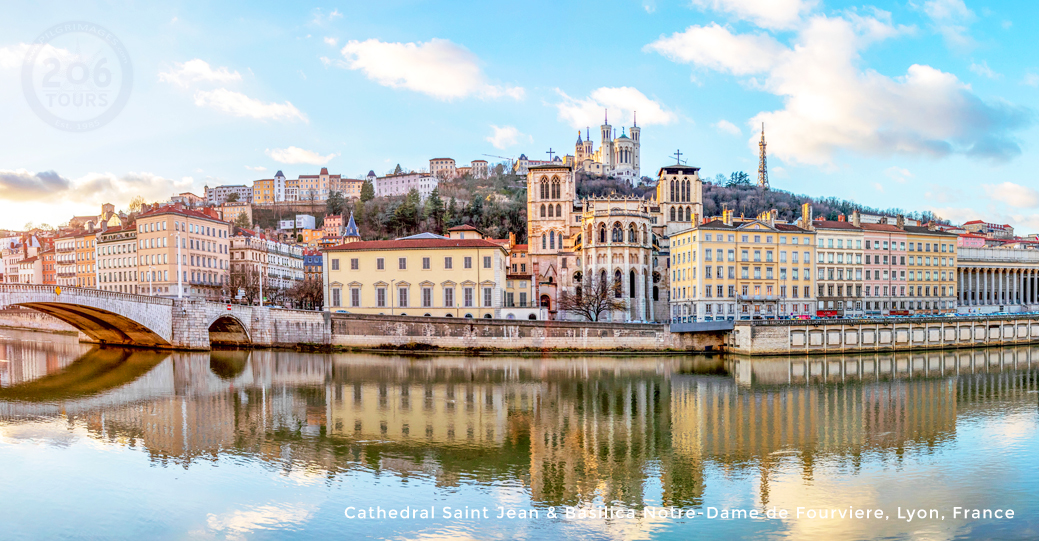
x,y
151,273
180,275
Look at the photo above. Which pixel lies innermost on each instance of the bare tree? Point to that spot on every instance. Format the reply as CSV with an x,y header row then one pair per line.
x,y
306,294
244,279
592,298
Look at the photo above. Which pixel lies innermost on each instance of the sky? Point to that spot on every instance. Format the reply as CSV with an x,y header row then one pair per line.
x,y
919,105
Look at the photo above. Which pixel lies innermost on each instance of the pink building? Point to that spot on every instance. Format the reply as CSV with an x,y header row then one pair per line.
x,y
971,240
885,269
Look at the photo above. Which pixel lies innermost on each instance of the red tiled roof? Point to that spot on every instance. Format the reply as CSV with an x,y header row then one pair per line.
x,y
30,260
172,209
834,224
882,227
463,227
412,244
520,247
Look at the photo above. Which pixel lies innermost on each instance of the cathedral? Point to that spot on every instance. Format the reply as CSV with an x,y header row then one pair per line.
x,y
617,157
620,238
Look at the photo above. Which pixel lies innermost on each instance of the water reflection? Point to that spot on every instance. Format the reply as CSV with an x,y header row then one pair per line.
x,y
569,431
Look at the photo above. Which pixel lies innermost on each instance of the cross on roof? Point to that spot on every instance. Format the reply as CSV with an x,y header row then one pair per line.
x,y
678,157
550,153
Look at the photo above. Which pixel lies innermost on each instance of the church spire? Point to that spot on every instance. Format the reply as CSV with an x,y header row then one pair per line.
x,y
635,119
762,162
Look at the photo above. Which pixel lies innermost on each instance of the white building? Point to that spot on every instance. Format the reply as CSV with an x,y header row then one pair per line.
x,y
403,183
117,259
218,196
305,221
618,157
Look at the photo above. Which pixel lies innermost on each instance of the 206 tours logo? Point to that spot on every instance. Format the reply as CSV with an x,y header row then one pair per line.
x,y
77,76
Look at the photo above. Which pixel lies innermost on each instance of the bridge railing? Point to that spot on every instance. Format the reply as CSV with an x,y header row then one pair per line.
x,y
83,291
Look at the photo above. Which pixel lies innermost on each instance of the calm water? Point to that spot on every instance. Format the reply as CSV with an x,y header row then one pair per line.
x,y
260,445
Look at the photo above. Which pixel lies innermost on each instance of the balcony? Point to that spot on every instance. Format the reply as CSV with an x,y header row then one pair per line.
x,y
758,297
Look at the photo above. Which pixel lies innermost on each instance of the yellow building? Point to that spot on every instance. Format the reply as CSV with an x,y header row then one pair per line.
x,y
931,270
229,212
263,192
417,277
742,269
311,237
351,188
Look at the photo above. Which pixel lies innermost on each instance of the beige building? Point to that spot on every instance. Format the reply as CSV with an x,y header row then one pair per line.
x,y
117,260
443,168
182,252
419,277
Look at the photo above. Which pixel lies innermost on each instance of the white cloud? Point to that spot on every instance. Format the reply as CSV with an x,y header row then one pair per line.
x,y
334,15
715,47
21,185
951,18
331,41
197,70
1007,24
983,70
505,136
898,174
1030,79
831,104
778,14
649,5
238,104
878,187
727,127
293,155
438,68
1012,194
12,56
256,168
626,104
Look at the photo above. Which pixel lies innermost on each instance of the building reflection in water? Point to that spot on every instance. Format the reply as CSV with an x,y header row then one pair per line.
x,y
571,429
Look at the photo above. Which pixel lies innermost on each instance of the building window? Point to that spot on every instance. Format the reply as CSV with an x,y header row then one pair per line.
x,y
467,262
402,263
487,296
355,297
354,264
402,297
380,264
425,263
487,262
427,297
380,297
449,297
335,297
468,297
447,262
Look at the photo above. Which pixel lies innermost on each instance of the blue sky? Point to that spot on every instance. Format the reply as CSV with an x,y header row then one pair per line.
x,y
925,105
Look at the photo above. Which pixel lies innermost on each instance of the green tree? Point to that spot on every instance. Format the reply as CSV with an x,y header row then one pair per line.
x,y
397,170
367,191
335,203
435,209
233,198
242,221
739,178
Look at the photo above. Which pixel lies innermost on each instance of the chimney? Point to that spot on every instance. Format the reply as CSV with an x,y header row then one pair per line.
x,y
841,218
900,221
883,220
856,218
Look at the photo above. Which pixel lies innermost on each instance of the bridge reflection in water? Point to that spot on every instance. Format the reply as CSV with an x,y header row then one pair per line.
x,y
570,429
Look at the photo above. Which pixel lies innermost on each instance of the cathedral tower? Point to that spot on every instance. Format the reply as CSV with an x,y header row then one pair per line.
x,y
606,149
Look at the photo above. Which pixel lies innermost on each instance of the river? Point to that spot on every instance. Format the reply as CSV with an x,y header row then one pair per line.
x,y
130,444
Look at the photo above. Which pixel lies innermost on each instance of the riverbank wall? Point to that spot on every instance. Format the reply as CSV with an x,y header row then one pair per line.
x,y
26,319
784,337
379,331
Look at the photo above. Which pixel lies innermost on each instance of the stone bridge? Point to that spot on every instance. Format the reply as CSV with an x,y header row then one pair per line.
x,y
125,319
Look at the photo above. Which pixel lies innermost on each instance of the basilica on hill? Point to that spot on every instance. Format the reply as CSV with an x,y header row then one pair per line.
x,y
617,157
619,238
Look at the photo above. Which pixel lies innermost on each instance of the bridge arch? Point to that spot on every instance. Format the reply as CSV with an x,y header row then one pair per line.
x,y
228,330
104,316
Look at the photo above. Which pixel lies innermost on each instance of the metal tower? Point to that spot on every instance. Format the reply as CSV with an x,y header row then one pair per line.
x,y
762,163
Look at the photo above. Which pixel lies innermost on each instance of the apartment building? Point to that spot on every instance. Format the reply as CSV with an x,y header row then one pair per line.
x,y
731,269
86,259
418,277
253,255
884,284
50,275
931,268
117,260
183,252
839,268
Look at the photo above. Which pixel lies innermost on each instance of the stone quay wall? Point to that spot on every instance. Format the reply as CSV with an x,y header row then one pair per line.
x,y
26,319
865,335
373,331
